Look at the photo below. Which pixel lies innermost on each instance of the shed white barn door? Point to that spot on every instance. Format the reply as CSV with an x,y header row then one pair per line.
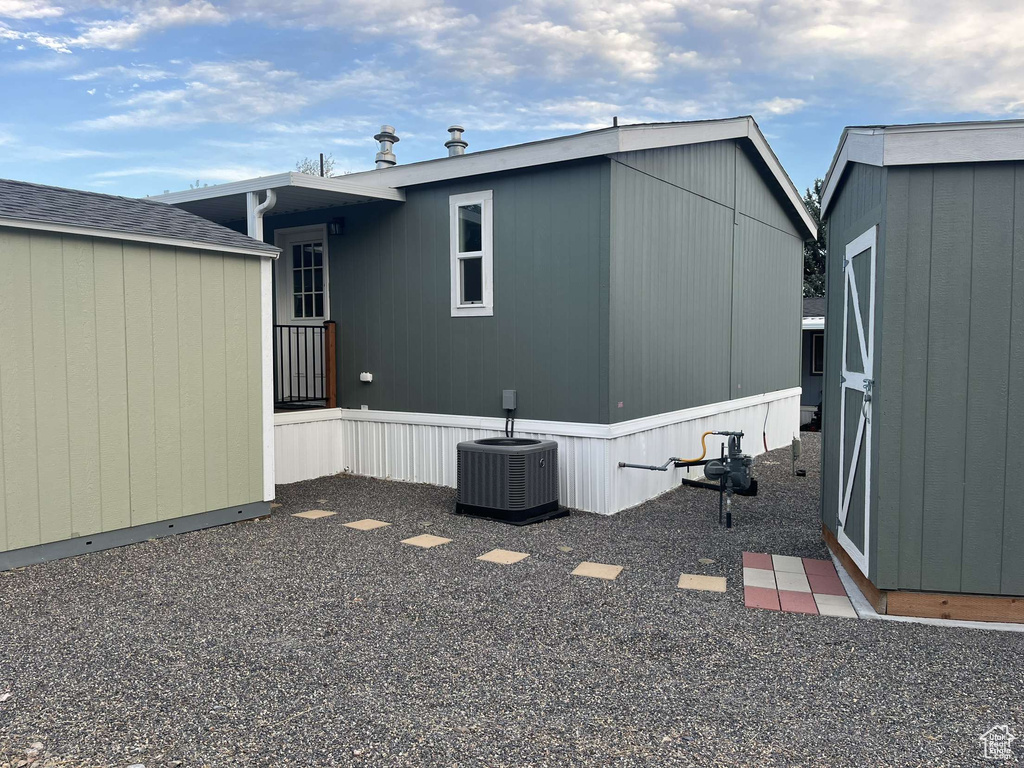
x,y
855,397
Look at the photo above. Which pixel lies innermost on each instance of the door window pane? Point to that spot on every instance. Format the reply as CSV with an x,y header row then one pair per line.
x,y
308,280
472,281
470,228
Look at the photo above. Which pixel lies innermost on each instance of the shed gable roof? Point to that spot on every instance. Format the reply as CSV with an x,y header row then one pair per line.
x,y
35,206
923,144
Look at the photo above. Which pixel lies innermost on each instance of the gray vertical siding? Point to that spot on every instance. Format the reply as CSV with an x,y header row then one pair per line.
x,y
108,399
810,383
390,294
705,281
950,362
858,206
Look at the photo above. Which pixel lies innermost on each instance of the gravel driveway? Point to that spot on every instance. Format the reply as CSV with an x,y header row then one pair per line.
x,y
290,642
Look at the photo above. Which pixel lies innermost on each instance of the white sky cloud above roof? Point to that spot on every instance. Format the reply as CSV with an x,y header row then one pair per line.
x,y
190,70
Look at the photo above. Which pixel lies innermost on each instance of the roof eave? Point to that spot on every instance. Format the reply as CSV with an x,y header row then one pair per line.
x,y
270,252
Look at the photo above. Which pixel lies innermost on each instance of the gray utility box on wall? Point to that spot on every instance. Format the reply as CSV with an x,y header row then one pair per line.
x,y
509,479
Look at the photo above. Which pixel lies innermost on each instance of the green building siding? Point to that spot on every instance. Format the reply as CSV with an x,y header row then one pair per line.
x,y
949,370
705,281
109,395
662,279
391,298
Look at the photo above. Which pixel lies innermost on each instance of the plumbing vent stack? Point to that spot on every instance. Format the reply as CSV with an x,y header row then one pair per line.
x,y
456,144
387,139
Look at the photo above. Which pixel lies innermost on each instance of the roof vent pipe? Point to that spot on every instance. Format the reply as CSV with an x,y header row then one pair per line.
x,y
456,144
387,139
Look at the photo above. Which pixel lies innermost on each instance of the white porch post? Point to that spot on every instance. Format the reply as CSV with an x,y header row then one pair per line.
x,y
254,218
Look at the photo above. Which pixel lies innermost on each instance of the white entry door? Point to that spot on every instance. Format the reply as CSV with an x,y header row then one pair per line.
x,y
303,304
855,398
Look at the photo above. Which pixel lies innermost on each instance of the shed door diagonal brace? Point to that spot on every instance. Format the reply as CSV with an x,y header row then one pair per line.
x,y
858,463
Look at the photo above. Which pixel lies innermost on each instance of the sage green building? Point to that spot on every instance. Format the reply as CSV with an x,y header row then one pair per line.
x,y
131,372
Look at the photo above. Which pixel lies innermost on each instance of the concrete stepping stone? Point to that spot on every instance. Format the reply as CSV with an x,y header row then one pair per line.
x,y
426,541
313,514
760,597
597,571
368,524
703,583
759,577
835,605
797,602
503,556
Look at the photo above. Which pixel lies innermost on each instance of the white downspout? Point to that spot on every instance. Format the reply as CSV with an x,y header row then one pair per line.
x,y
254,211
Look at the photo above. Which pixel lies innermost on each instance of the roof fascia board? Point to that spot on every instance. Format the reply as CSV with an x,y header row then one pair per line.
x,y
856,146
135,237
930,144
277,181
788,188
627,138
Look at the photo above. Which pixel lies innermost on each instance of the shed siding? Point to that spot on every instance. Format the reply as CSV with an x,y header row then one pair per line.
x,y
102,373
857,208
390,294
691,265
952,346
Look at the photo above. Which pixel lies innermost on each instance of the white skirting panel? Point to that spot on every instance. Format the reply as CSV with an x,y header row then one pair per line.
x,y
420,448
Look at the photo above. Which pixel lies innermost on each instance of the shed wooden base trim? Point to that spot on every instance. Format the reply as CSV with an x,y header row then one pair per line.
x,y
18,558
875,596
929,605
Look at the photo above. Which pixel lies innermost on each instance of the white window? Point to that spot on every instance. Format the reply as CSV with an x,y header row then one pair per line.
x,y
303,292
472,255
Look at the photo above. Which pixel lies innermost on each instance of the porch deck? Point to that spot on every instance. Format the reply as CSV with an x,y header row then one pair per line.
x,y
292,641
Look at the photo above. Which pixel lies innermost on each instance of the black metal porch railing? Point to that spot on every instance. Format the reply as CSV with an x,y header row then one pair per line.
x,y
303,365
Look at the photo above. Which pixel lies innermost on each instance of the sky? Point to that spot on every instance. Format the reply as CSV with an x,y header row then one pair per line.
x,y
141,97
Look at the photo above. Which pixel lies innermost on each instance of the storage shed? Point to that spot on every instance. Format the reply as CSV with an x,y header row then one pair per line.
x,y
922,461
134,341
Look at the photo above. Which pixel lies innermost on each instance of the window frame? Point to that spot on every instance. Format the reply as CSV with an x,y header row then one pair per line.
x,y
284,239
817,341
484,199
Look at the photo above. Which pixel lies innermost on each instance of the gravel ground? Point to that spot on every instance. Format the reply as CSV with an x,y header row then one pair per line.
x,y
291,642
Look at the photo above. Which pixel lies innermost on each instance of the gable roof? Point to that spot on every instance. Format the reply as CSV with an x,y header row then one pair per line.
x,y
923,144
382,182
604,141
35,206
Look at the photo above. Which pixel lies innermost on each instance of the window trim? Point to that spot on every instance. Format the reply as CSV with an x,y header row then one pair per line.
x,y
283,239
817,339
484,199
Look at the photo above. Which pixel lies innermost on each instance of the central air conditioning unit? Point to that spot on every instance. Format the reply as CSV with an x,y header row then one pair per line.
x,y
509,479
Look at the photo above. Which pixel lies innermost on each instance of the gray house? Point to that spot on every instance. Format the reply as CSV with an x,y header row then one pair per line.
x,y
812,358
134,360
923,467
635,285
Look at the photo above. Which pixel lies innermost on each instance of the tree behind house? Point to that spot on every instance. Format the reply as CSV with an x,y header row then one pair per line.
x,y
311,165
814,251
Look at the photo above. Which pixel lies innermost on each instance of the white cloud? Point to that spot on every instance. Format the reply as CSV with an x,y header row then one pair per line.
x,y
57,44
145,73
124,33
962,55
780,105
241,92
29,9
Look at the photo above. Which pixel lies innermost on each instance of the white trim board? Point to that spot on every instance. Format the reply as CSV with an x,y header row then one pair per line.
x,y
417,447
134,237
497,424
925,144
340,184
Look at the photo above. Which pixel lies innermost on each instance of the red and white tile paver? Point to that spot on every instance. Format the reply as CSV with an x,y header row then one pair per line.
x,y
794,585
